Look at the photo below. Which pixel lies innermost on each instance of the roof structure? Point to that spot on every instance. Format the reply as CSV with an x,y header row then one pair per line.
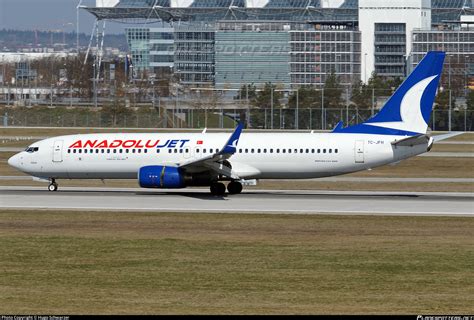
x,y
266,10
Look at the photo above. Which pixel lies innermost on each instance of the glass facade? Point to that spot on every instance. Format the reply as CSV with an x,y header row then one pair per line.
x,y
195,55
390,49
138,40
252,53
459,48
151,49
315,54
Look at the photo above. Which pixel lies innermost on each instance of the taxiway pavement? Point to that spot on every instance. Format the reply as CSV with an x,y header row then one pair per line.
x,y
251,201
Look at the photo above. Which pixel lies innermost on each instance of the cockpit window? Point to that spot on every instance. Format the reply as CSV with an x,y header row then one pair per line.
x,y
32,149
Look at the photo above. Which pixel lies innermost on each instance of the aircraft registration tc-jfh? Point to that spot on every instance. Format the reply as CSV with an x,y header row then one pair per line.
x,y
179,160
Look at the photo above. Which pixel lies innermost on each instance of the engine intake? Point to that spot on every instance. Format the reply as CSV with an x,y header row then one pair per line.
x,y
161,177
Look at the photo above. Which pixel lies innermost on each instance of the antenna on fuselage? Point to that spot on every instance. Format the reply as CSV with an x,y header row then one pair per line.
x,y
204,131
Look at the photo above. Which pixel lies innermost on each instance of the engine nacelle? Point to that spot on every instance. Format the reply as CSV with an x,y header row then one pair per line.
x,y
161,177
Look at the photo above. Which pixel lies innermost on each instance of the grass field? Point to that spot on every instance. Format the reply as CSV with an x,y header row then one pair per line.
x,y
74,262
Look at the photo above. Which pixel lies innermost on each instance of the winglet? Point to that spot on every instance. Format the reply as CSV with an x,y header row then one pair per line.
x,y
231,145
338,127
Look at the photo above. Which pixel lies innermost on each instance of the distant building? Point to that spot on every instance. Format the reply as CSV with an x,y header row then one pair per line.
x,y
228,43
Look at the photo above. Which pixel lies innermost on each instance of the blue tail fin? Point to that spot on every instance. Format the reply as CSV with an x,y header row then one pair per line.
x,y
408,111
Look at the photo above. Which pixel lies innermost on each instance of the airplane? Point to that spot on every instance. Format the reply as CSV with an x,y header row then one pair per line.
x,y
179,160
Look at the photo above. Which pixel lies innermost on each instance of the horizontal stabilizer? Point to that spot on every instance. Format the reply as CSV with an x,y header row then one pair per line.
x,y
412,141
442,137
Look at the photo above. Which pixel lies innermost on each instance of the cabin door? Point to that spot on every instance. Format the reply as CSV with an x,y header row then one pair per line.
x,y
359,151
58,151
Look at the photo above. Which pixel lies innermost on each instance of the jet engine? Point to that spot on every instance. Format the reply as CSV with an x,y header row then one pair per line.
x,y
161,177
172,178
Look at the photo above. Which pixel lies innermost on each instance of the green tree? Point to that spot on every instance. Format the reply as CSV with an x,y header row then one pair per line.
x,y
470,100
308,97
361,95
267,96
264,99
246,91
332,92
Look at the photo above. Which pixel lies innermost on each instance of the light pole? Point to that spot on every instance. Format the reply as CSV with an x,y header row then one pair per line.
x,y
77,24
365,68
297,109
449,85
271,110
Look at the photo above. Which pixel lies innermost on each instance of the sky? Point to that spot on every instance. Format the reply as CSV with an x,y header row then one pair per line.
x,y
49,15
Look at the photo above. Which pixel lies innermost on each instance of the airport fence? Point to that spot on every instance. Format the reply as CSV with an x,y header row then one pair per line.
x,y
287,119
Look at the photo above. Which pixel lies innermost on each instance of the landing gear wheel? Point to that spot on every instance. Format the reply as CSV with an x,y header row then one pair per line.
x,y
217,189
234,187
53,187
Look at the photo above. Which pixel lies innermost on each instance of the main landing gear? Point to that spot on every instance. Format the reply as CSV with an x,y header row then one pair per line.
x,y
218,188
53,186
234,187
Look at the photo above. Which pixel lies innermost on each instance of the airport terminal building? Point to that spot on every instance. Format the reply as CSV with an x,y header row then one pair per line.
x,y
229,43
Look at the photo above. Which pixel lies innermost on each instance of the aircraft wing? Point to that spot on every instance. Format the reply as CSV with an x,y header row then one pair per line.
x,y
214,162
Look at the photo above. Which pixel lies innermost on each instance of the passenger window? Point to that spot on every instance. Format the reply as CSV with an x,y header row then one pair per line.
x,y
74,151
278,151
115,150
259,150
336,151
271,150
330,150
180,150
108,150
145,150
80,150
120,150
127,151
102,151
301,150
246,150
187,150
157,150
252,151
170,151
97,150
312,150
240,150
69,151
175,150
289,150
36,149
197,150
324,150
307,150
319,150
139,150
204,151
283,150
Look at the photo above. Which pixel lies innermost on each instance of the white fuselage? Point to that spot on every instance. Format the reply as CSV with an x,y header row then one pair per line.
x,y
259,155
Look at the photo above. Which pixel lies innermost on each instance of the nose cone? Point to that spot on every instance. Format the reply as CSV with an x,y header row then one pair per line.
x,y
14,161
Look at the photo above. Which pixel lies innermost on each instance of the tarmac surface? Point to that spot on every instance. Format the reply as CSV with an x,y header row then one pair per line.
x,y
250,201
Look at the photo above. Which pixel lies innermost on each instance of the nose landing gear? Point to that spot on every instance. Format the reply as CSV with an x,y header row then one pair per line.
x,y
53,186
